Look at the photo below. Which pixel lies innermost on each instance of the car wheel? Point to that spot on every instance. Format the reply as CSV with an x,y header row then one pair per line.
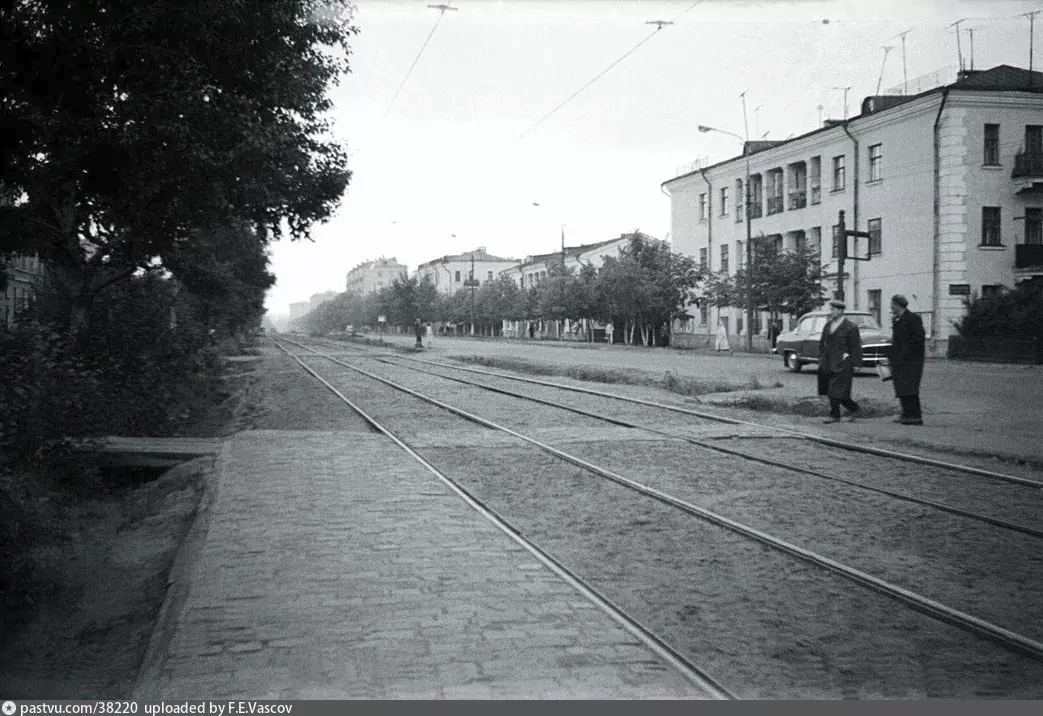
x,y
793,363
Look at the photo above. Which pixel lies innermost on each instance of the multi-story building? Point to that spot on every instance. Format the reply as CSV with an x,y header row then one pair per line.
x,y
533,269
23,275
948,183
318,299
299,309
451,273
372,276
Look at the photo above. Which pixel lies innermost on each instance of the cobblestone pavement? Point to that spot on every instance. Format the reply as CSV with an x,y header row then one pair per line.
x,y
336,567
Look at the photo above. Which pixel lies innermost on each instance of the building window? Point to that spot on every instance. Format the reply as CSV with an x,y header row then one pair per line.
x,y
702,207
724,201
1034,226
1034,139
740,201
702,259
836,241
703,313
874,304
458,277
991,290
739,256
875,239
876,155
490,275
990,226
724,258
838,173
992,145
816,180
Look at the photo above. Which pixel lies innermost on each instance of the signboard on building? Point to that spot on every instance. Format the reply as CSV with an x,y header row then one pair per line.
x,y
959,289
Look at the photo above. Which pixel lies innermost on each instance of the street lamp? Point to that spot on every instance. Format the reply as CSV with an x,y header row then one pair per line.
x,y
749,230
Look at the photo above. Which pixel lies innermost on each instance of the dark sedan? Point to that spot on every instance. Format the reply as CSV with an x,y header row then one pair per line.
x,y
800,346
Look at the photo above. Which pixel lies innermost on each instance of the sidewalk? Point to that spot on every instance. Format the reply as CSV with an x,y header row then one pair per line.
x,y
985,424
331,565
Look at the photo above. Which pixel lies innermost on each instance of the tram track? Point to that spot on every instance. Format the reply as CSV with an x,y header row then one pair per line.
x,y
936,610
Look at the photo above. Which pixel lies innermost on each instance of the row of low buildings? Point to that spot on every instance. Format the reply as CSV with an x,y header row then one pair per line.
x,y
948,183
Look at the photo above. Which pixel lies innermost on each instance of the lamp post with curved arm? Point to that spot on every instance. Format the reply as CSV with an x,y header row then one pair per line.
x,y
749,232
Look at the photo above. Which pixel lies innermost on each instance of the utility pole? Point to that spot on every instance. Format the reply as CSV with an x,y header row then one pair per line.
x,y
887,49
470,281
905,74
749,232
970,32
959,45
1032,32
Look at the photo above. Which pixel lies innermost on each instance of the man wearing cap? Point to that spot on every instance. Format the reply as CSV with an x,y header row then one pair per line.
x,y
839,353
906,358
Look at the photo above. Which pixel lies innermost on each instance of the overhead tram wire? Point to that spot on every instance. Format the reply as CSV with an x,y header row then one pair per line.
x,y
442,10
659,26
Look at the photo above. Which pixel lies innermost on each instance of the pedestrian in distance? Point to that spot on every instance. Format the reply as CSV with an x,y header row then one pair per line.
x,y
722,337
839,354
905,359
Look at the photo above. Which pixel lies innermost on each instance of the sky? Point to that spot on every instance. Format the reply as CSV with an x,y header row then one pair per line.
x,y
519,119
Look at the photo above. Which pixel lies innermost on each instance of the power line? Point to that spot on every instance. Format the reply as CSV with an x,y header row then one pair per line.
x,y
441,13
659,26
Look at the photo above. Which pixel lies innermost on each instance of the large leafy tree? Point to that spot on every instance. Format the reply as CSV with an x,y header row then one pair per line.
x,y
784,281
130,125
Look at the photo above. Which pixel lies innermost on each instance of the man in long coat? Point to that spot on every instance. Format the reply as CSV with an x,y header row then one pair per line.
x,y
839,354
906,358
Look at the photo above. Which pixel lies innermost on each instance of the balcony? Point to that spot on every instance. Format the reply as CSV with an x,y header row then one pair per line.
x,y
1028,173
798,200
755,211
774,205
1028,256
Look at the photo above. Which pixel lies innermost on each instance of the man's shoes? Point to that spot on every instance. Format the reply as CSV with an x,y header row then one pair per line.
x,y
851,418
911,421
832,419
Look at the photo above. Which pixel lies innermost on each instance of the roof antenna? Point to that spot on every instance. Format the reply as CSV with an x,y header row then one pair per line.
x,y
887,48
959,45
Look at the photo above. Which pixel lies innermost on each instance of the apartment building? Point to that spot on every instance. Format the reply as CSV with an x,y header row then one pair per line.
x,y
948,183
317,299
533,269
372,276
451,273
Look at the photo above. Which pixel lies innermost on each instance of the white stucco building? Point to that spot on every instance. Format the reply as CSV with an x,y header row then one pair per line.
x,y
949,182
533,269
372,276
451,273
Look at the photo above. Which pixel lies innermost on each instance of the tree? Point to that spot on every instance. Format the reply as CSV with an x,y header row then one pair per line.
x,y
131,125
1007,314
784,282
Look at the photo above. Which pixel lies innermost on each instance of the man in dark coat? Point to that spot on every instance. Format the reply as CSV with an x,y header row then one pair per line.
x,y
839,354
906,359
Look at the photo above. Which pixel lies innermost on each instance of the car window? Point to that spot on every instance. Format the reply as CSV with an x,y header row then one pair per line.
x,y
817,324
867,322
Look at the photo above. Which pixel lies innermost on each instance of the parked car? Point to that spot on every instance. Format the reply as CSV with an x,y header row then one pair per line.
x,y
800,346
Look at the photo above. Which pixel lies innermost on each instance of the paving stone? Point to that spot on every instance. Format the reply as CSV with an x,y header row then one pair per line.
x,y
334,567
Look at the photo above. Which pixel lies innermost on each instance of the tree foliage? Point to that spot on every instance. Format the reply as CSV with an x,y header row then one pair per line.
x,y
130,126
1016,313
783,281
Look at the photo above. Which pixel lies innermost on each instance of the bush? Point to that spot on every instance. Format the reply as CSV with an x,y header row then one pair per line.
x,y
1016,313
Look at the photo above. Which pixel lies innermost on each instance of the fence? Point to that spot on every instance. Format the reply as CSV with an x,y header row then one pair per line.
x,y
1000,350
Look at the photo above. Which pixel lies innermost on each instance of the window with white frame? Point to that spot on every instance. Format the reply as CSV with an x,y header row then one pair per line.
x,y
876,155
740,201
815,177
724,201
702,258
1034,226
724,258
702,207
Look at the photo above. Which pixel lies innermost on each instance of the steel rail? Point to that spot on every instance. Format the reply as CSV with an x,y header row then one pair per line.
x,y
1026,482
1006,638
691,672
941,506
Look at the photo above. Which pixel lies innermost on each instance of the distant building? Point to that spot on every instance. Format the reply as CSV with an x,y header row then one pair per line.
x,y
948,183
533,269
320,298
372,276
450,273
299,309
